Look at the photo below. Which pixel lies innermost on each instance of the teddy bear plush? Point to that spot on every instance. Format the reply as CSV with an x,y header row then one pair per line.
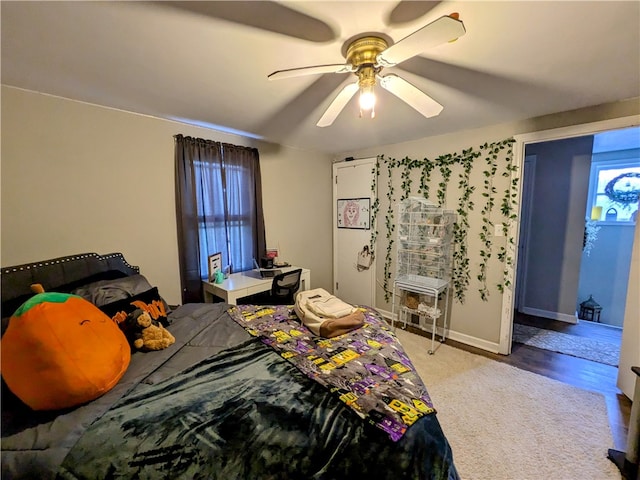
x,y
147,334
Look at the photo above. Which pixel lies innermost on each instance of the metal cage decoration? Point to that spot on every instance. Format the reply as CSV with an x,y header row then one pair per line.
x,y
590,310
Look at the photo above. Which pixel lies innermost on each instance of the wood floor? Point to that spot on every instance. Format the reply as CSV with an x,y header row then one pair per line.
x,y
585,374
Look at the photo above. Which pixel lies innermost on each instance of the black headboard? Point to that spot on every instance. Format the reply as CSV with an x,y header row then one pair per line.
x,y
56,273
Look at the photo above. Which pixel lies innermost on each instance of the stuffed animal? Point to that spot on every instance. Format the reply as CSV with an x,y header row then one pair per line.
x,y
147,334
60,351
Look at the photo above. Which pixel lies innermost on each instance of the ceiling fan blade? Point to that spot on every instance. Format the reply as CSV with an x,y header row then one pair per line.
x,y
338,104
444,29
272,16
316,69
410,10
415,98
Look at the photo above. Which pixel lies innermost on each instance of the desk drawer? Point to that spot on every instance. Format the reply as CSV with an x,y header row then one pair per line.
x,y
258,289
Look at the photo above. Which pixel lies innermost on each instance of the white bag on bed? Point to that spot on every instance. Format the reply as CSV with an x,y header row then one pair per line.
x,y
315,306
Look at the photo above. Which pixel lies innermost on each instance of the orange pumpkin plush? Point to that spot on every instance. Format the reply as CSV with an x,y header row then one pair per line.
x,y
60,351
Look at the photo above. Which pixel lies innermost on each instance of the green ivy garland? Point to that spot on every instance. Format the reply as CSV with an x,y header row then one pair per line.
x,y
445,171
405,187
444,163
486,233
461,276
425,177
374,207
508,208
391,226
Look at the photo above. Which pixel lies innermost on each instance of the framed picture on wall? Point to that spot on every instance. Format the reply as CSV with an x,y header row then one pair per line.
x,y
353,213
215,263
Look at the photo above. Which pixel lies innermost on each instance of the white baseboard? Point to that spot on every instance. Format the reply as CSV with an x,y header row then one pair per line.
x,y
563,317
458,337
474,341
386,314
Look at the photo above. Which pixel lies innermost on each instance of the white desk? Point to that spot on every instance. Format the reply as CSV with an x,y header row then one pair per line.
x,y
240,285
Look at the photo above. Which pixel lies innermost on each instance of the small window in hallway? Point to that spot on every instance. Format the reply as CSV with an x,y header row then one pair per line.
x,y
615,176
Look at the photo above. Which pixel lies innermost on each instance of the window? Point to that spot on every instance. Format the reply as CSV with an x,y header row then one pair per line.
x,y
614,187
218,207
223,225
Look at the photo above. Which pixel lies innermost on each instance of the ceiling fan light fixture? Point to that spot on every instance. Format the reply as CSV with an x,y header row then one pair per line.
x,y
366,83
369,54
367,98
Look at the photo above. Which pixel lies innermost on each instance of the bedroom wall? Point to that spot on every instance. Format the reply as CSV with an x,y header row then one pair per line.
x,y
82,178
477,322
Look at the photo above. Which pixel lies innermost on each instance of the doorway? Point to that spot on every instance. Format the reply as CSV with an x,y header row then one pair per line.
x,y
559,266
508,300
553,226
571,279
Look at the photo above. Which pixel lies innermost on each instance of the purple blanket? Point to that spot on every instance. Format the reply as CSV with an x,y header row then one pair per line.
x,y
367,368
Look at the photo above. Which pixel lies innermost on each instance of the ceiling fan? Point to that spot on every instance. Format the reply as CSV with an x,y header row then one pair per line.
x,y
368,55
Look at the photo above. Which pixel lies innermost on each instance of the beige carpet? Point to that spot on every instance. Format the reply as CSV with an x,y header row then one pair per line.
x,y
504,423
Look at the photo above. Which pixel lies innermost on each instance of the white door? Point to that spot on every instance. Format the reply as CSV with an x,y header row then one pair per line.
x,y
354,281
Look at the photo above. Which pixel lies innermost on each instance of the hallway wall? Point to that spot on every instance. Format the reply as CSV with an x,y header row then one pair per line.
x,y
604,273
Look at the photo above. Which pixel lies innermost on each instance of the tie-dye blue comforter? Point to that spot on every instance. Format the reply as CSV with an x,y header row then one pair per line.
x,y
219,404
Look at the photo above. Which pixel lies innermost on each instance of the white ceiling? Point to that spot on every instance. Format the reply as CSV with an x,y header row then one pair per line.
x,y
207,62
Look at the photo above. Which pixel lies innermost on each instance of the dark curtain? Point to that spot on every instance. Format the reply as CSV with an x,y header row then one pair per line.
x,y
218,209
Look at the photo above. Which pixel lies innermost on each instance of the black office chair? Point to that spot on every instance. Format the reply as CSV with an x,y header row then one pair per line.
x,y
283,290
284,287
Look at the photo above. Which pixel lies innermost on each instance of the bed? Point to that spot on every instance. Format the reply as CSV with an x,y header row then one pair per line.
x,y
225,401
